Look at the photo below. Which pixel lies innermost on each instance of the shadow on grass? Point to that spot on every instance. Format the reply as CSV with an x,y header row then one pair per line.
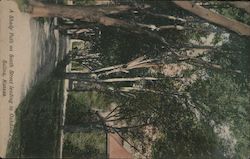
x,y
90,141
36,132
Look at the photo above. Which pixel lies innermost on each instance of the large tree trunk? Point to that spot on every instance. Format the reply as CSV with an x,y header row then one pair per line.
x,y
43,9
242,5
85,13
96,14
215,18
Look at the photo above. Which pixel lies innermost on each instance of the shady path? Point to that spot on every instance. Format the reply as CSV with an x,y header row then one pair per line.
x,y
29,51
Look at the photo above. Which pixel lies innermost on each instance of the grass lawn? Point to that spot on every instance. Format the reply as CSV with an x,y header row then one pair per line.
x,y
90,143
36,132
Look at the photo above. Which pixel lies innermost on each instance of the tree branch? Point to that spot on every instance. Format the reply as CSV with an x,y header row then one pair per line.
x,y
241,4
167,16
217,19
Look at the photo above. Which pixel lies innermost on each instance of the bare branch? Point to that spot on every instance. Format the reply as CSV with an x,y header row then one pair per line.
x,y
107,116
167,16
201,63
158,28
177,27
127,79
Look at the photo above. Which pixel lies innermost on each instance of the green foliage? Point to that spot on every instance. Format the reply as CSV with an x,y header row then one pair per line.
x,y
195,142
90,99
234,55
77,111
234,13
91,144
22,5
85,145
77,66
225,101
184,135
115,48
84,2
36,132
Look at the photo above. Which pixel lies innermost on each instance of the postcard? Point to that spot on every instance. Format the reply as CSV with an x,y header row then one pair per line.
x,y
124,79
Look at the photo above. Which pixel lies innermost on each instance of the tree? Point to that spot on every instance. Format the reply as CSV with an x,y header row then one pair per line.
x,y
99,14
242,5
215,18
222,99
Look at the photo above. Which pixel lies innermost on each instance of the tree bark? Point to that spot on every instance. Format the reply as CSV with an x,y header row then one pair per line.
x,y
242,5
91,14
217,19
85,13
42,10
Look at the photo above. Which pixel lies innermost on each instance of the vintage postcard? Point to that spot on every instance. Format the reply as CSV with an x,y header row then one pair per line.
x,y
124,79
